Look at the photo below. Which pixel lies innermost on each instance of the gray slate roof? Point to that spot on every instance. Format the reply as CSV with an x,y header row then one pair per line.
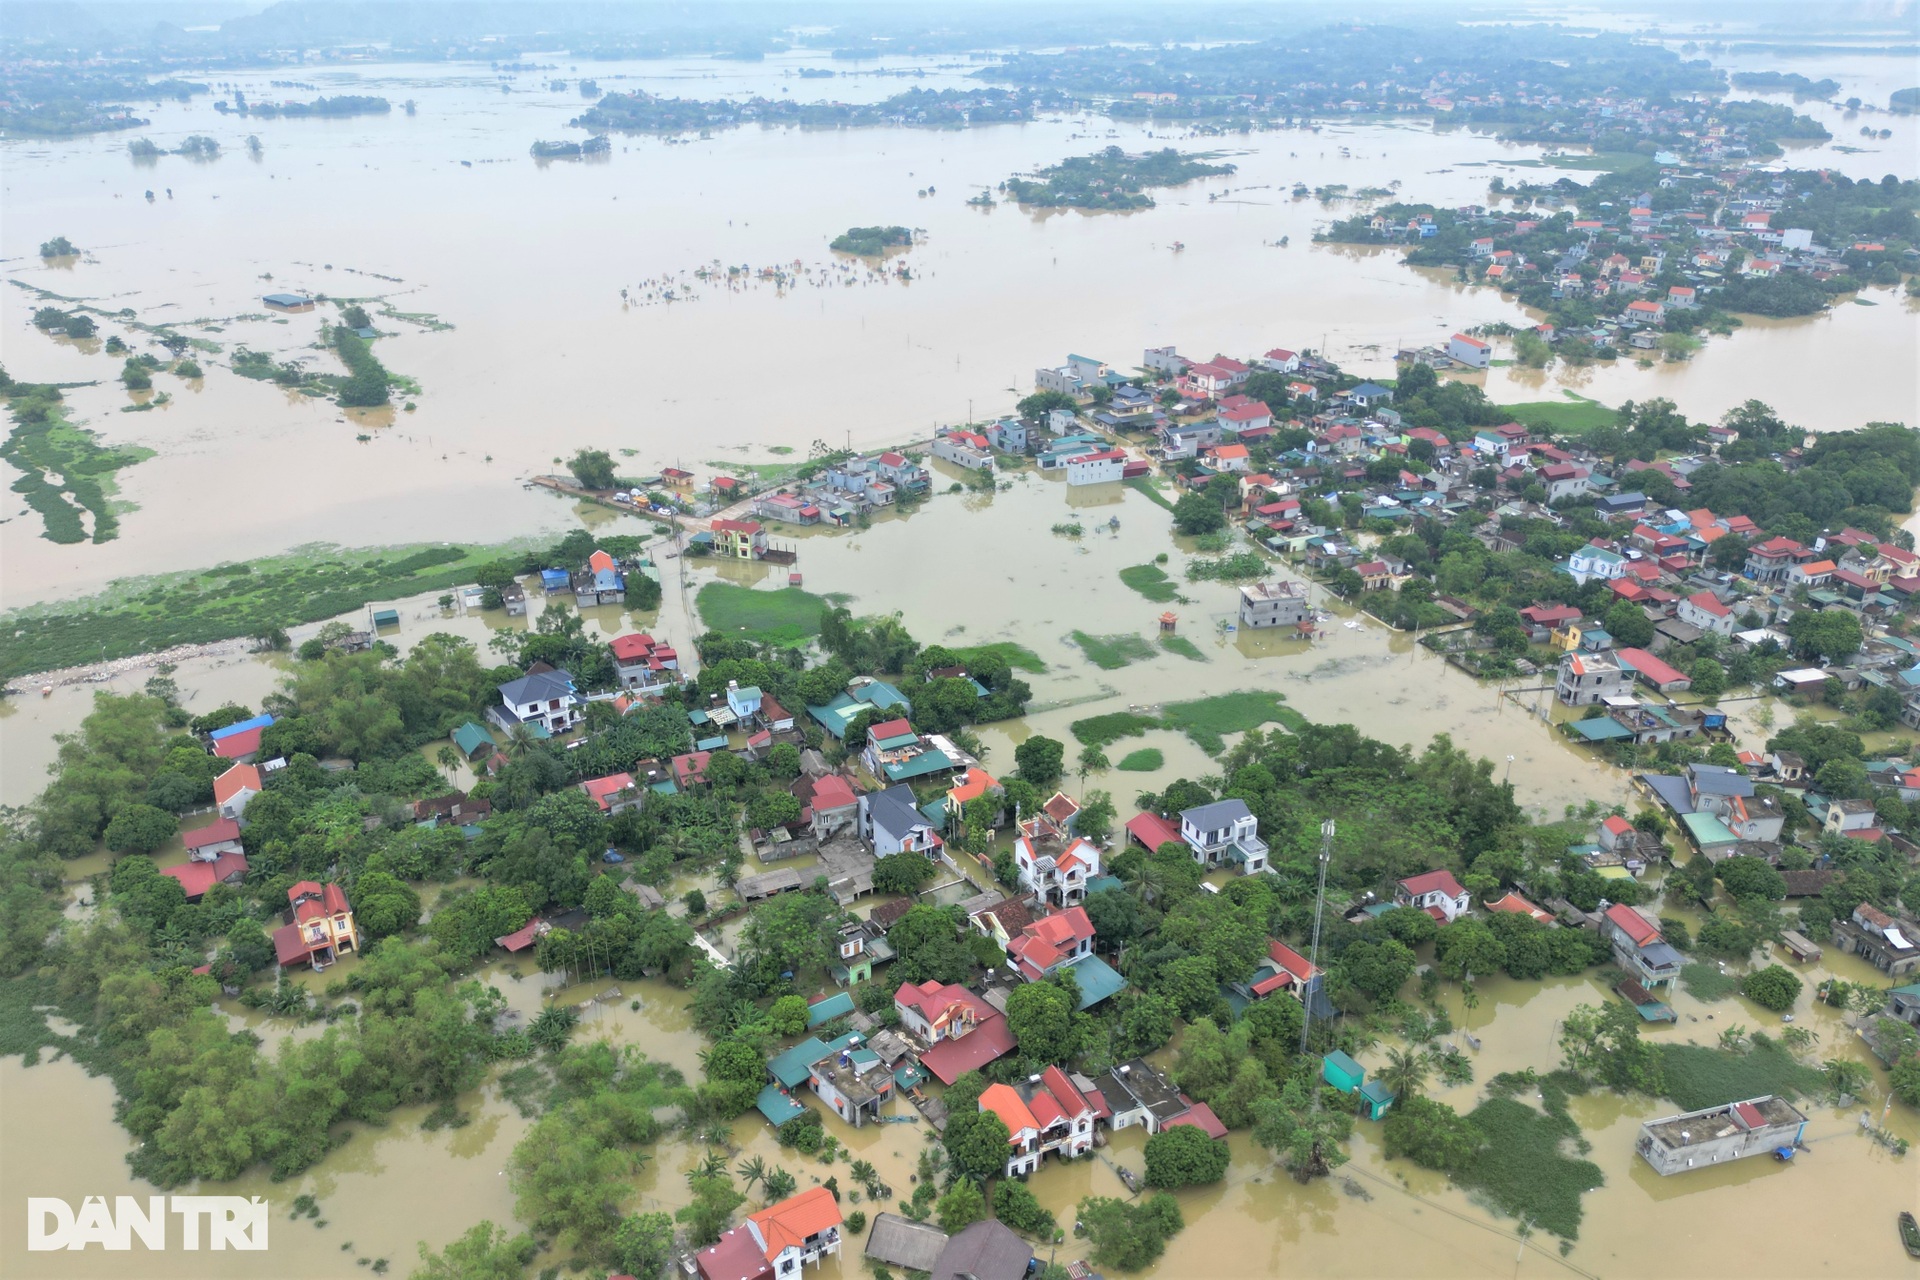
x,y
1216,816
1720,780
895,810
541,686
902,1242
984,1251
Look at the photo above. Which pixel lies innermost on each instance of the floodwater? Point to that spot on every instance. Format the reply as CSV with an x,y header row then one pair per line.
x,y
545,357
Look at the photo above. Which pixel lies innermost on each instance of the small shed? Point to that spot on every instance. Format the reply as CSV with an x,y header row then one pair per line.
x,y
386,617
1375,1098
1799,946
1342,1072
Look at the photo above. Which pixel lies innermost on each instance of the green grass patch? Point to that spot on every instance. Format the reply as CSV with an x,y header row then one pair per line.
x,y
143,615
1145,760
1110,653
788,617
65,471
1104,731
1697,1076
23,1019
1146,488
1571,416
1017,656
759,470
1208,720
1234,568
1182,646
1522,1170
1151,581
1706,982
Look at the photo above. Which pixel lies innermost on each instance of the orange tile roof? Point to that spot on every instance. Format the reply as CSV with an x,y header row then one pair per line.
x,y
1005,1102
973,784
242,777
788,1224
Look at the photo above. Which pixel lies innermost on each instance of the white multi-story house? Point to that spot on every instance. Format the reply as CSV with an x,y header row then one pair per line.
x,y
1047,1112
1470,352
1224,831
1705,610
967,449
1054,864
1587,679
779,1241
545,698
1100,467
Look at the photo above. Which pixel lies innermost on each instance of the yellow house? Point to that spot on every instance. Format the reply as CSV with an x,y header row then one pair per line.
x,y
322,926
1567,638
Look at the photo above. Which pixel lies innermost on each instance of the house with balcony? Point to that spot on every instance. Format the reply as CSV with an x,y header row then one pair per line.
x,y
895,753
1888,943
1435,892
891,822
644,665
902,472
1224,832
544,698
967,449
1586,679
1063,940
1044,1113
1054,864
1638,946
781,1240
321,927
601,582
739,539
1771,560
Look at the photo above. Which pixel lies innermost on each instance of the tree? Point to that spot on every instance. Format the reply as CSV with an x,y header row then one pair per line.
x,y
1195,513
960,1207
1405,1073
1904,1079
593,468
1603,1042
1751,878
1015,1204
1185,1156
643,1244
1306,1139
1432,1134
1774,987
977,1144
1377,970
1709,678
486,1252
714,1200
926,941
1041,403
901,872
1040,760
1130,1236
1468,946
1829,634
139,828
1041,1020
1095,819
1628,624
788,1016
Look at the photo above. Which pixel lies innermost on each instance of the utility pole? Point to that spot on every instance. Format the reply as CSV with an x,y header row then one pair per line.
x,y
1313,955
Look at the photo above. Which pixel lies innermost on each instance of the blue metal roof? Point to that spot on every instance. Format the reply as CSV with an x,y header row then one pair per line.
x,y
258,722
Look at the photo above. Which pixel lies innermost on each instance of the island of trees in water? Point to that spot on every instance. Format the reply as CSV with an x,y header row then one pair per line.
x,y
642,112
871,242
1110,179
346,104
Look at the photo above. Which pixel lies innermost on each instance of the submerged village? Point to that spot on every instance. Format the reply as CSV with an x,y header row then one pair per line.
x,y
685,896
789,817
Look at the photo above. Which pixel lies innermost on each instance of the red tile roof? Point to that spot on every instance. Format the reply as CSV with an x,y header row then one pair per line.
x,y
603,790
1005,1101
788,1224
884,729
1617,825
1633,924
953,1058
242,777
198,877
1290,960
1200,1116
212,833
244,743
1432,881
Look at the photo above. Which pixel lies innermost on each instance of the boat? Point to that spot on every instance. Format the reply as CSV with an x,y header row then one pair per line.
x,y
1910,1234
1472,1039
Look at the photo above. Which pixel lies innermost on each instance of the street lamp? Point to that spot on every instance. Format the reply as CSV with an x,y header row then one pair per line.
x,y
1508,775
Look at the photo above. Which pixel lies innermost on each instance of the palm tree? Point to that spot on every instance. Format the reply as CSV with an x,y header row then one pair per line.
x,y
779,1184
752,1170
865,1174
520,740
713,1166
449,760
1149,883
1406,1072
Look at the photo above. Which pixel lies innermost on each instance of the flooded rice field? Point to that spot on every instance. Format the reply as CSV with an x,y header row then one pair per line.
x,y
545,355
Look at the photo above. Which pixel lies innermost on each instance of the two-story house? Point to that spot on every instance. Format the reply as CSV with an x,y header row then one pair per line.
x,y
1274,604
1638,947
779,1241
1707,611
1850,818
902,472
322,926
1053,863
644,665
1589,678
1769,561
1728,794
828,803
967,449
891,822
739,539
1224,831
1888,944
544,697
1044,945
1435,892
1042,1114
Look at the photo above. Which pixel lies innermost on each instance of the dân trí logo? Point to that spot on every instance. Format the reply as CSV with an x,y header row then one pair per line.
x,y
205,1222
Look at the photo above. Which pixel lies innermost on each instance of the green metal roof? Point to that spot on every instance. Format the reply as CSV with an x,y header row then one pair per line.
x,y
1601,729
834,1006
472,738
920,766
777,1107
794,1066
1098,981
1707,829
